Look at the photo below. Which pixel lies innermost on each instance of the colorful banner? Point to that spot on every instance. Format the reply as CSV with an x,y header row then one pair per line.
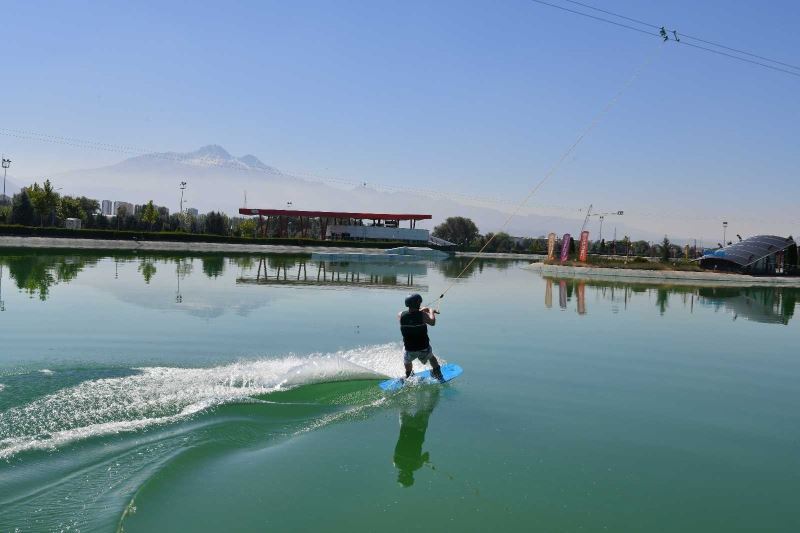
x,y
581,298
551,246
584,250
565,247
562,294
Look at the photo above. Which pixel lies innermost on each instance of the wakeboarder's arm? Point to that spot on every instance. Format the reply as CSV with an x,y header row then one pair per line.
x,y
430,316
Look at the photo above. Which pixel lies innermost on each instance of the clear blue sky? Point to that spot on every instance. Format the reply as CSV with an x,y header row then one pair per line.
x,y
475,96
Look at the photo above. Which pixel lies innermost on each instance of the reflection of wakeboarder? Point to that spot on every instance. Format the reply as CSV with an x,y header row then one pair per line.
x,y
408,455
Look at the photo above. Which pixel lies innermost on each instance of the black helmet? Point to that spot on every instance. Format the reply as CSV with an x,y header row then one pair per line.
x,y
414,301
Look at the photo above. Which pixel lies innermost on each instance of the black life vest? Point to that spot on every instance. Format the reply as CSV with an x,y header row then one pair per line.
x,y
414,330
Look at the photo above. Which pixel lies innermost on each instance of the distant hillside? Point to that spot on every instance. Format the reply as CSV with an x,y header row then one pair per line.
x,y
218,180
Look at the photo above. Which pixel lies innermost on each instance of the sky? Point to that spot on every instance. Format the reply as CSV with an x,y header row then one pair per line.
x,y
475,97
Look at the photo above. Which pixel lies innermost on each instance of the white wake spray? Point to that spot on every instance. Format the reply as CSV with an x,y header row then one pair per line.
x,y
161,395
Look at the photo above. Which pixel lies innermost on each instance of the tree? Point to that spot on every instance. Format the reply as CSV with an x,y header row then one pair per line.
x,y
790,259
101,221
70,207
626,242
216,223
149,214
22,209
458,230
665,250
247,227
45,200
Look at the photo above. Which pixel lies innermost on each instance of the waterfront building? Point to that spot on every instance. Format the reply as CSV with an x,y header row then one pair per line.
x,y
762,254
340,225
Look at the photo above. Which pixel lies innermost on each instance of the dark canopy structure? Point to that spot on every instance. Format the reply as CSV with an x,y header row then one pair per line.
x,y
762,254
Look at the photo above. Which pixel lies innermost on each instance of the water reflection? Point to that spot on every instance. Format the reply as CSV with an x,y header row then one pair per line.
x,y
36,273
289,271
408,454
466,267
773,305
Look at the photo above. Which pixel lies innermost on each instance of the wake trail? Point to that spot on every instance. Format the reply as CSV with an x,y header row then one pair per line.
x,y
161,395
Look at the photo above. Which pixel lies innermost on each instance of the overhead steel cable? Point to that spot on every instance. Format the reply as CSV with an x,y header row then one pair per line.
x,y
614,14
680,38
596,18
720,52
686,36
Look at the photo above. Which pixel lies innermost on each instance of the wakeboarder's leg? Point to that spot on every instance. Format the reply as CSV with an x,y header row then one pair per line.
x,y
436,370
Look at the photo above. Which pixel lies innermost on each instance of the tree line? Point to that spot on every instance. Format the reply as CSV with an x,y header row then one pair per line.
x,y
464,233
42,205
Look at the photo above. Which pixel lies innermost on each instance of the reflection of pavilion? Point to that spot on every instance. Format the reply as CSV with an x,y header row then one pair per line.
x,y
295,272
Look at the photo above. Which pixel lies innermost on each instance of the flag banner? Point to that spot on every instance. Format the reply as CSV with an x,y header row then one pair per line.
x,y
562,294
581,298
551,246
565,247
584,255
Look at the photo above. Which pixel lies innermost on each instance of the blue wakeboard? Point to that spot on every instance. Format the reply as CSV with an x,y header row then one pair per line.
x,y
449,371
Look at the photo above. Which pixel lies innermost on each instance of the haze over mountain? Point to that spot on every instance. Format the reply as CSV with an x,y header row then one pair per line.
x,y
218,180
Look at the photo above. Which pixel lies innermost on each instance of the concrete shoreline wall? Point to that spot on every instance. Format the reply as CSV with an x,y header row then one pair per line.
x,y
664,276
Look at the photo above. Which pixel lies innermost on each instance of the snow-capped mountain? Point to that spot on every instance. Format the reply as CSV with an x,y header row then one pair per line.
x,y
209,156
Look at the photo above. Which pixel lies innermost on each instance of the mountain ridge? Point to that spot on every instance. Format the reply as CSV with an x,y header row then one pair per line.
x,y
219,181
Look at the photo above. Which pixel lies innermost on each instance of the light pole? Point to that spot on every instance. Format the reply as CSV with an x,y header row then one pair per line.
x,y
6,164
602,217
724,233
183,188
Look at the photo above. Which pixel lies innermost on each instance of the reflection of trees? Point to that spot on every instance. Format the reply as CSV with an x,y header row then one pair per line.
x,y
184,266
148,269
245,262
213,265
762,304
788,301
35,273
281,261
662,300
451,268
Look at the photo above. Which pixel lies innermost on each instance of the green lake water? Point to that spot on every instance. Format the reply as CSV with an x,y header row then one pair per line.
x,y
191,393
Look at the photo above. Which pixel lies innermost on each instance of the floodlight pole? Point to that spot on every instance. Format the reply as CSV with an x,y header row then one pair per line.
x,y
6,164
183,188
